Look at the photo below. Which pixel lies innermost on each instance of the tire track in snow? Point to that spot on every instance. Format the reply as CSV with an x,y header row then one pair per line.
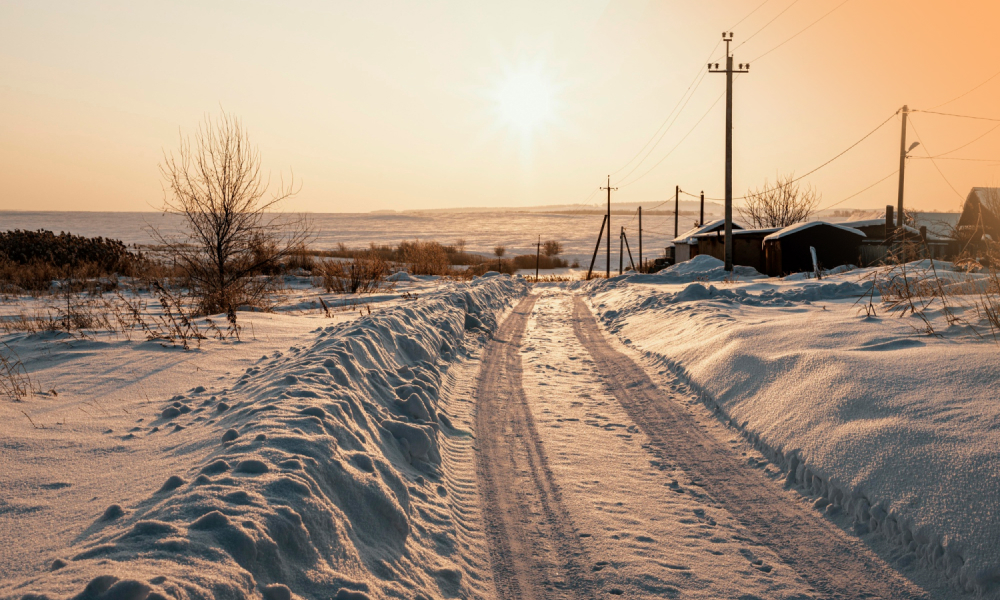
x,y
835,564
534,550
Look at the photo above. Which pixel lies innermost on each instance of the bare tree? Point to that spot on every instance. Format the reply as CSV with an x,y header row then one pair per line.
x,y
779,205
235,241
499,251
551,248
460,245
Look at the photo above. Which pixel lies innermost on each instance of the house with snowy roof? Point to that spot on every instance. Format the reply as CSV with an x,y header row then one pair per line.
x,y
686,244
979,216
789,250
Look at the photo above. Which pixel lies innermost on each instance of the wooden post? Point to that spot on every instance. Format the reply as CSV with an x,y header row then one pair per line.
x,y
677,206
640,239
625,237
621,236
597,247
701,217
538,251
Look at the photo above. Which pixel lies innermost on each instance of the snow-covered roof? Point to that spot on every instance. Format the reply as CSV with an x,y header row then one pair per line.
x,y
688,236
800,226
876,222
741,232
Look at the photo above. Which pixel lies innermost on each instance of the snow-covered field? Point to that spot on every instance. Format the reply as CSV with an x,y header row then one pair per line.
x,y
898,429
306,456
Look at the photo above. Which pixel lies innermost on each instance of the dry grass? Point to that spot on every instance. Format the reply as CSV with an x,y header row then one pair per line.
x,y
15,383
970,287
363,275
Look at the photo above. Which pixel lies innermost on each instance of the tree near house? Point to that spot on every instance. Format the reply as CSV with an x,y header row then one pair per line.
x,y
780,204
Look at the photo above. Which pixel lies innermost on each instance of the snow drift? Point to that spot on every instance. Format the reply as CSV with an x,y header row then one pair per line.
x,y
320,475
898,430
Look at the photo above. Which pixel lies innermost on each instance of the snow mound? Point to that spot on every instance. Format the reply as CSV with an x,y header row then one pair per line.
x,y
319,478
703,268
896,431
400,276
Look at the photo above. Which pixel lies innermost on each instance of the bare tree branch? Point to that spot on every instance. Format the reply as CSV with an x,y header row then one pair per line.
x,y
779,205
235,240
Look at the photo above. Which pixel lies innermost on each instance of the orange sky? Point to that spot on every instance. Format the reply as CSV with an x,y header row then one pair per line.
x,y
391,105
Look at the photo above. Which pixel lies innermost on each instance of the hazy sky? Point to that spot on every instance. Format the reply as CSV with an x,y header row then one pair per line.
x,y
398,105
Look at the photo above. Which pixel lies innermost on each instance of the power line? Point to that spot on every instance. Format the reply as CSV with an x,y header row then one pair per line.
x,y
858,193
759,6
766,24
931,112
991,78
697,78
851,147
799,178
678,143
700,79
933,162
956,158
801,31
991,130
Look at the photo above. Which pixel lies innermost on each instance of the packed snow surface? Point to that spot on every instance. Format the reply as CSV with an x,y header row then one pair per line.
x,y
320,469
895,427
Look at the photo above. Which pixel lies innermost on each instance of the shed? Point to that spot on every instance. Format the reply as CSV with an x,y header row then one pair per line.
x,y
747,246
978,218
787,250
686,244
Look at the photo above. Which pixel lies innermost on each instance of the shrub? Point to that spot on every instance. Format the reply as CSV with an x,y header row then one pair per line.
x,y
425,258
363,275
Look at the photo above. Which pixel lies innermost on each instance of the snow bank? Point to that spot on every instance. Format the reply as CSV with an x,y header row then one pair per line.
x,y
319,476
897,430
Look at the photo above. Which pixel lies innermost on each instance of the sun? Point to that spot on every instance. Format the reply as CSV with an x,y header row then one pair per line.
x,y
525,100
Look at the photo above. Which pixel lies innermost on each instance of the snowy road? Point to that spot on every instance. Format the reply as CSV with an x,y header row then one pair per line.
x,y
595,480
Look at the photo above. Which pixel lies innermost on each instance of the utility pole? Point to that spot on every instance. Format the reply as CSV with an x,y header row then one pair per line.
x,y
610,189
701,217
621,249
538,252
727,36
902,170
640,239
677,208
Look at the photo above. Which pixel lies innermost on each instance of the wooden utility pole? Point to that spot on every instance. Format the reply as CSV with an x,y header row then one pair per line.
x,y
629,250
538,251
597,247
677,207
727,36
701,216
609,188
621,249
902,170
640,239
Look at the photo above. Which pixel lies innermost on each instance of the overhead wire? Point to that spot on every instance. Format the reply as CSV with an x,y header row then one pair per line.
x,y
838,203
939,157
759,6
849,148
801,31
700,78
991,130
931,112
678,143
694,82
697,79
933,162
794,2
960,96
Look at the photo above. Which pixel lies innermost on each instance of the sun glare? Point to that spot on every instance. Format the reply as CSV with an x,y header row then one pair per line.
x,y
525,100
